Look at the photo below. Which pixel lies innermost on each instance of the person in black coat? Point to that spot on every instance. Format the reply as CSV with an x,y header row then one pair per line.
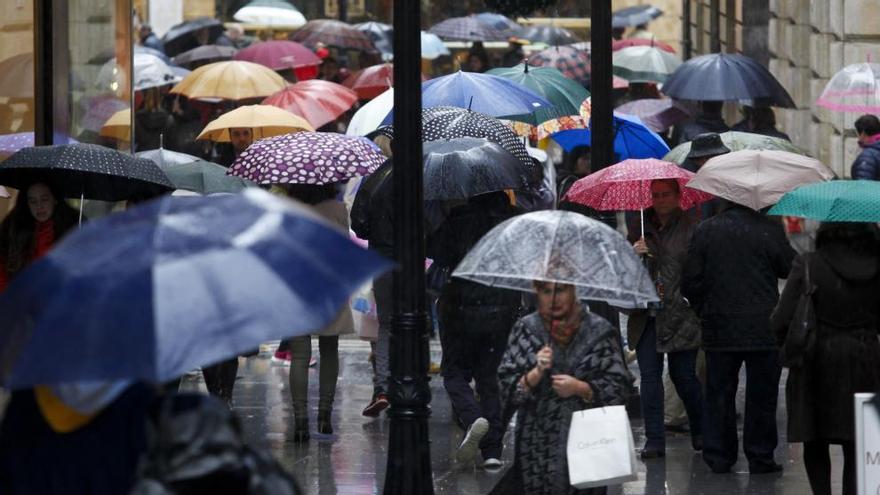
x,y
867,165
730,278
709,119
845,270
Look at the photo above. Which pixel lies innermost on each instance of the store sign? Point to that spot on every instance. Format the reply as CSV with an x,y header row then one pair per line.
x,y
356,8
867,445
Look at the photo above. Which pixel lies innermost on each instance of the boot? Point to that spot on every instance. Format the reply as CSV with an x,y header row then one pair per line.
x,y
324,425
301,430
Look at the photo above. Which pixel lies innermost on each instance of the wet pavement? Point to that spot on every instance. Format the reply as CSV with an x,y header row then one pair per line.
x,y
352,461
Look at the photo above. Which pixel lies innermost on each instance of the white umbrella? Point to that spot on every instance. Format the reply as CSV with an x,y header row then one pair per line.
x,y
432,46
149,72
270,16
371,115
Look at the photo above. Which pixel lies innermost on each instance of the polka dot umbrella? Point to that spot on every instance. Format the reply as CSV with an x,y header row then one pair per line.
x,y
307,158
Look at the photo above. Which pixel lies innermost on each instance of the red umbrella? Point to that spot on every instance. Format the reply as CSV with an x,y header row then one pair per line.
x,y
319,102
372,81
621,44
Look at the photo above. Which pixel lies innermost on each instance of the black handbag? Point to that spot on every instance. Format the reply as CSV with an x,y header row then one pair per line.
x,y
800,341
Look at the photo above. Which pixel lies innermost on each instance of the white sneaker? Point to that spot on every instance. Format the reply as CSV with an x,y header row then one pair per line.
x,y
492,463
469,446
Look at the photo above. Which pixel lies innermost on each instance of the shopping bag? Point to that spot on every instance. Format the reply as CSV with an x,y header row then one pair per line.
x,y
601,450
366,318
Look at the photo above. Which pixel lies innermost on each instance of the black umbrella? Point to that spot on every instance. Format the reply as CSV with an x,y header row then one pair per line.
x,y
634,16
725,76
181,37
466,167
550,35
85,170
205,53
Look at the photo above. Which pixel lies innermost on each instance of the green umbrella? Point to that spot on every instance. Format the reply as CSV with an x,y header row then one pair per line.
x,y
565,94
737,141
834,201
644,64
194,174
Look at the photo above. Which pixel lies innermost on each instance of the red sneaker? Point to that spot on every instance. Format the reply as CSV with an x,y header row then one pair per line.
x,y
282,357
379,404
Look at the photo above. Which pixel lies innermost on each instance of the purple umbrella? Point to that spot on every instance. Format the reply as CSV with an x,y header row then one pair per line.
x,y
307,158
658,115
99,109
10,143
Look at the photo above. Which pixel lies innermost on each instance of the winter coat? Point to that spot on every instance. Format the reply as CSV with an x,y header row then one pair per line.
x,y
730,278
678,328
151,128
181,135
867,164
846,357
372,217
337,214
543,418
700,125
44,239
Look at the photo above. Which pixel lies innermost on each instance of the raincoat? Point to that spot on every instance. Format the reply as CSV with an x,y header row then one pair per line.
x,y
867,165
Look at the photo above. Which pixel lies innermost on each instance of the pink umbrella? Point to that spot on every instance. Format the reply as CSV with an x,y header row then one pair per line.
x,y
279,55
319,102
627,186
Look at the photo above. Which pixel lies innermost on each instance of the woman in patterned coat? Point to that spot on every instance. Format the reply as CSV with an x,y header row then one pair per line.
x,y
559,360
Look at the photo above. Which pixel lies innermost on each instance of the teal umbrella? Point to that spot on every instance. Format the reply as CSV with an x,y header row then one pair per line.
x,y
737,141
834,201
565,94
194,174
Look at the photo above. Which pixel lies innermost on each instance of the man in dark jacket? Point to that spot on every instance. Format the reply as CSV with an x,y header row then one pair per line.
x,y
867,164
708,119
731,279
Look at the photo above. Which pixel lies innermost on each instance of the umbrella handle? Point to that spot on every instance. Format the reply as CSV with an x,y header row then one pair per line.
x,y
82,197
642,217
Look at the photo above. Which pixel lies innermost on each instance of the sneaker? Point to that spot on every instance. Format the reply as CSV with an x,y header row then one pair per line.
x,y
492,463
282,357
313,361
470,444
379,404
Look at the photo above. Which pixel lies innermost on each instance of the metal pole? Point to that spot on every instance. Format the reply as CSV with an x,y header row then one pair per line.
x,y
686,38
601,124
409,456
343,10
715,25
43,70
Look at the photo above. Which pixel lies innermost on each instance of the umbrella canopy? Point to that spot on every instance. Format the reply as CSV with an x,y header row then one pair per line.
x,y
432,46
279,54
855,88
371,81
17,76
230,80
149,72
627,186
568,122
182,37
333,33
758,179
270,14
644,64
634,16
724,77
84,170
498,21
99,109
10,143
573,63
632,139
118,126
307,158
319,102
191,173
833,201
465,167
621,44
104,56
205,53
382,36
265,120
468,28
564,95
658,115
737,141
369,117
550,35
560,247
204,279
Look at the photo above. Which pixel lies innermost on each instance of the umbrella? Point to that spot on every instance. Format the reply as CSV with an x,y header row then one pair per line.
x,y
149,72
560,247
10,143
105,56
182,37
550,35
371,81
758,179
498,21
118,126
468,28
17,76
632,139
725,77
621,44
191,173
271,14
568,122
564,95
634,16
99,109
319,102
833,201
307,158
279,55
84,171
264,120
644,64
382,36
658,115
855,88
203,279
230,80
369,117
205,53
465,167
737,141
432,46
574,64
333,33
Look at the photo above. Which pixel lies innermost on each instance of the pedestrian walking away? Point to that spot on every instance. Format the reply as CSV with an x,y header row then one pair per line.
x,y
867,164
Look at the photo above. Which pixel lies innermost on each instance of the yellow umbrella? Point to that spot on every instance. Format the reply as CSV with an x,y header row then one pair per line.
x,y
230,80
118,126
265,120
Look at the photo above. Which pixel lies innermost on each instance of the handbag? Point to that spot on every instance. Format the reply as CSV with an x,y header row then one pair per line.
x,y
800,341
601,450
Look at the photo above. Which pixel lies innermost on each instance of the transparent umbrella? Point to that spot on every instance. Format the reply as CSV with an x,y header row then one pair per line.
x,y
562,247
856,88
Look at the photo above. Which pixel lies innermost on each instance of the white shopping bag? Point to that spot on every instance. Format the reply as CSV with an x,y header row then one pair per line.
x,y
601,450
366,318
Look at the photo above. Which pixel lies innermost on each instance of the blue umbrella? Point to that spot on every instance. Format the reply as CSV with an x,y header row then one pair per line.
x,y
492,95
181,282
632,139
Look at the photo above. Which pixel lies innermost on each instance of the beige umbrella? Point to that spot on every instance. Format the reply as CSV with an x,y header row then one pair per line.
x,y
230,80
758,178
118,126
265,120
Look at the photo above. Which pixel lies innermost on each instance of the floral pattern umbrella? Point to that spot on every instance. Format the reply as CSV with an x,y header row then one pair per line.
x,y
573,63
307,158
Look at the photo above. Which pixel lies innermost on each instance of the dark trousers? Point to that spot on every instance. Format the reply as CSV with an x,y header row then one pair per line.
x,y
817,461
682,371
760,437
220,378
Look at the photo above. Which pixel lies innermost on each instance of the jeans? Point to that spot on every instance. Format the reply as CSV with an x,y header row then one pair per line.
x,y
328,372
383,288
682,371
760,437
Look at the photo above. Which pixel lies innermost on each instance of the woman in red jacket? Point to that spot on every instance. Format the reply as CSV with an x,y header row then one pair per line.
x,y
40,217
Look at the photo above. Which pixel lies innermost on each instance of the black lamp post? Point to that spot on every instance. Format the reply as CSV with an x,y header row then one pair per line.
x,y
408,470
601,123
